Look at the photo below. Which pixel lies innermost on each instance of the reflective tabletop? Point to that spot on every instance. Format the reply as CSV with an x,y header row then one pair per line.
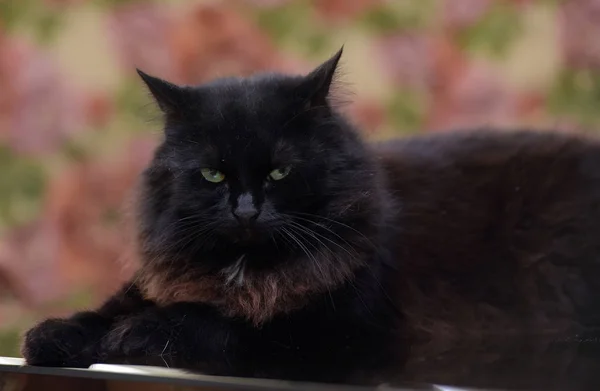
x,y
570,364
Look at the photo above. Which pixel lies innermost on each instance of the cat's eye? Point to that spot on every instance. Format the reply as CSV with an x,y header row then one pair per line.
x,y
280,173
212,175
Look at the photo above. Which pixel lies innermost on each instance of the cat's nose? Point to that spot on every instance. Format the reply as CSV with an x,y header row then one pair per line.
x,y
246,216
245,212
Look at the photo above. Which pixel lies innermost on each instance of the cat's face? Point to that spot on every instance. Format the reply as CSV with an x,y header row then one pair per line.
x,y
256,168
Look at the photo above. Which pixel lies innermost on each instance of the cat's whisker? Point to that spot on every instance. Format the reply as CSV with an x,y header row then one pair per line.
x,y
187,222
186,236
316,262
287,241
299,243
189,235
163,352
312,233
295,215
274,240
305,249
344,248
300,231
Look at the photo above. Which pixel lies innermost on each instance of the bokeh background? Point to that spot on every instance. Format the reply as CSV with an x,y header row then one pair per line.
x,y
77,126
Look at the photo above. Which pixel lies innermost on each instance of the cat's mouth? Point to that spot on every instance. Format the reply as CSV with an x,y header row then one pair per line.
x,y
258,233
249,235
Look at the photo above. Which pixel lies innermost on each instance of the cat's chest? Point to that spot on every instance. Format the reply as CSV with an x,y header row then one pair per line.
x,y
243,292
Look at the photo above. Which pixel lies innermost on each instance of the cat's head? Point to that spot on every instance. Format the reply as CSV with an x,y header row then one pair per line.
x,y
260,170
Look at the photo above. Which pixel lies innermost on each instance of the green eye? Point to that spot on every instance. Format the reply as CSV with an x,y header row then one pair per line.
x,y
212,175
279,173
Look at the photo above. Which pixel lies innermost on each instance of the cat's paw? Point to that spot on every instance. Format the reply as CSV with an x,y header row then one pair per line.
x,y
140,339
59,343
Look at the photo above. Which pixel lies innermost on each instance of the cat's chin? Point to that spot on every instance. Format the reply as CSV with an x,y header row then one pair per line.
x,y
250,236
245,236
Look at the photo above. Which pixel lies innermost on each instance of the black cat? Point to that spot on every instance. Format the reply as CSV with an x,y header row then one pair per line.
x,y
275,242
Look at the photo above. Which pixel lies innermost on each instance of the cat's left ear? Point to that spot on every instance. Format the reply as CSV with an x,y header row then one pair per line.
x,y
169,97
317,84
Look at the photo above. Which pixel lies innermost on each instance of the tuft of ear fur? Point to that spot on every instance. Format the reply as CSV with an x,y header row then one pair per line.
x,y
316,86
169,97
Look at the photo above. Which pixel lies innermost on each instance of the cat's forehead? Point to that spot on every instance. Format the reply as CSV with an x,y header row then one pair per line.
x,y
241,126
249,154
236,115
262,97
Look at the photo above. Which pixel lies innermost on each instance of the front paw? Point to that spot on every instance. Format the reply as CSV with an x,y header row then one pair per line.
x,y
60,343
142,339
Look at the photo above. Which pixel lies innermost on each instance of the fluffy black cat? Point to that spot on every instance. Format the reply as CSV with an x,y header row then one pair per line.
x,y
274,242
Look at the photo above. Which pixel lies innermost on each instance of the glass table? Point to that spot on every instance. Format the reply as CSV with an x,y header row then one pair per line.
x,y
15,376
507,363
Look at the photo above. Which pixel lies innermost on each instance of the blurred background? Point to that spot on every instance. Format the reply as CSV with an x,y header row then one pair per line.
x,y
77,126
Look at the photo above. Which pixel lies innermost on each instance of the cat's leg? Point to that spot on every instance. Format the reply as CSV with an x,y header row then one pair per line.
x,y
75,341
182,335
196,337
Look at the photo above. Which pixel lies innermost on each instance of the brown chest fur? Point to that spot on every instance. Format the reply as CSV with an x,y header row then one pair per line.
x,y
258,297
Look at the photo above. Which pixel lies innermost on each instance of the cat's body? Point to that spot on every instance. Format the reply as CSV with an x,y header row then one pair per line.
x,y
501,231
358,251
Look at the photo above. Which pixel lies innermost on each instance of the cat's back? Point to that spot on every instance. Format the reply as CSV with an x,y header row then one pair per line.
x,y
497,229
483,147
517,164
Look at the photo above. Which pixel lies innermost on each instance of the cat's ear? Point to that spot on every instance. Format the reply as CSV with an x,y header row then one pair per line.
x,y
169,97
316,86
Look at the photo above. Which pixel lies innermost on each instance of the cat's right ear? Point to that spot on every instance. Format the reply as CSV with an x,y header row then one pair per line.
x,y
169,97
316,86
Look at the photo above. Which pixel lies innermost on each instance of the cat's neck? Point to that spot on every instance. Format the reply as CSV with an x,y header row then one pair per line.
x,y
256,295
